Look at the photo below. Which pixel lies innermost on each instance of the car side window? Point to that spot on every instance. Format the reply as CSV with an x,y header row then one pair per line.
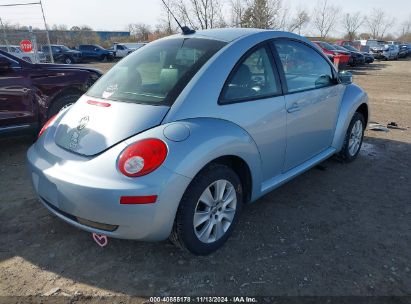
x,y
56,49
13,64
304,68
253,78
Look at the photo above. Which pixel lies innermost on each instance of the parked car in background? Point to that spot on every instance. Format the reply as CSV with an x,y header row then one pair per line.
x,y
62,53
340,58
174,139
373,44
390,52
404,51
95,52
32,93
383,51
121,50
16,51
368,58
357,57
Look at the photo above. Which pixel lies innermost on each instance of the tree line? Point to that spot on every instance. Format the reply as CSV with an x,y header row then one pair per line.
x,y
321,21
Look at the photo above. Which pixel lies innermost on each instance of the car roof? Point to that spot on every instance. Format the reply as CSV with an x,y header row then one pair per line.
x,y
231,34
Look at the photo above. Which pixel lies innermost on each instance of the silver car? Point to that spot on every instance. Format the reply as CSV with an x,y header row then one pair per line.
x,y
176,137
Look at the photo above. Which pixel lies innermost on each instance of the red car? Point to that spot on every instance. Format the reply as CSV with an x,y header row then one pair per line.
x,y
31,93
339,58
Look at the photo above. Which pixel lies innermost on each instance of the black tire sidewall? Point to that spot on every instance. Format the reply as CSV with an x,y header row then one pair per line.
x,y
185,214
61,102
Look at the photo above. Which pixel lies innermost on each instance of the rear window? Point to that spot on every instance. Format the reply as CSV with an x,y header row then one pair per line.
x,y
157,73
327,46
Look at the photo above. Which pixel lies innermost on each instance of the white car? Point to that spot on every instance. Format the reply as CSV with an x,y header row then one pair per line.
x,y
15,50
121,50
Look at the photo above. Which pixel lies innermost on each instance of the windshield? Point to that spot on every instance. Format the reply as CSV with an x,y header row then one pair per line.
x,y
64,48
340,48
349,47
157,73
327,46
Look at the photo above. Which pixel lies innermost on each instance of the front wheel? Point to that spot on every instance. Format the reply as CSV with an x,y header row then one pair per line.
x,y
354,138
208,210
68,60
61,103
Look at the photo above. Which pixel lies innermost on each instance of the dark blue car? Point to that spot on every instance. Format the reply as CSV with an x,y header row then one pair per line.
x,y
95,52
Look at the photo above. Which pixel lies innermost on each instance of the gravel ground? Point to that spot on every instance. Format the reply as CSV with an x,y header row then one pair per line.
x,y
339,229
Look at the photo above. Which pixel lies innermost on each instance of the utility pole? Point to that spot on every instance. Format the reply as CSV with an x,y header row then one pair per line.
x,y
47,32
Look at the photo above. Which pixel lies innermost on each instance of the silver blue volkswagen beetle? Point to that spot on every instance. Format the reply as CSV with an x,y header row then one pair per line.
x,y
175,138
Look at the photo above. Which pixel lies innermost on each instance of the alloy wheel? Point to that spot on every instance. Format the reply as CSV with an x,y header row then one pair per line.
x,y
355,138
215,211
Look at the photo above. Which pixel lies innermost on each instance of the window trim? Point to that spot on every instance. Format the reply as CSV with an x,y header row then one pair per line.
x,y
277,58
16,64
264,44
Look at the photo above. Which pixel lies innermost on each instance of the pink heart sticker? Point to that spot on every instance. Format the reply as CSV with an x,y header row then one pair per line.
x,y
100,239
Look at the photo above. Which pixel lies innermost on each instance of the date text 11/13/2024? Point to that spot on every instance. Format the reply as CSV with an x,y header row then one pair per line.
x,y
170,299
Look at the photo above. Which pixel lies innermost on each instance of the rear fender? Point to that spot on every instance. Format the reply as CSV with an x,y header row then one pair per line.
x,y
206,140
353,98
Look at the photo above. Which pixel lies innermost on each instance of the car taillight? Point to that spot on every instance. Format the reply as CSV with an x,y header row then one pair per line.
x,y
46,125
142,157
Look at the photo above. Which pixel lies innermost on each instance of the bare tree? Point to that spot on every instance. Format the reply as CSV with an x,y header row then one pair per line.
x,y
199,14
167,24
378,23
140,30
351,24
299,21
282,19
324,17
405,33
238,9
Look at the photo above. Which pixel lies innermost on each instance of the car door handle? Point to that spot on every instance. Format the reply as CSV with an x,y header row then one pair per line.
x,y
294,108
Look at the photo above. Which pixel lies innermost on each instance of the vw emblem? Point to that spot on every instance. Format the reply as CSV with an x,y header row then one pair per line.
x,y
82,123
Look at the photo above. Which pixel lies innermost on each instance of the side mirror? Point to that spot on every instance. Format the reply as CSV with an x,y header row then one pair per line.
x,y
5,64
345,77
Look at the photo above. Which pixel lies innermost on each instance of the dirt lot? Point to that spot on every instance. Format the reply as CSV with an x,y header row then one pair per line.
x,y
336,230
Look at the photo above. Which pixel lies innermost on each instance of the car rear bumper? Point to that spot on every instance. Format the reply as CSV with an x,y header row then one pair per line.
x,y
92,202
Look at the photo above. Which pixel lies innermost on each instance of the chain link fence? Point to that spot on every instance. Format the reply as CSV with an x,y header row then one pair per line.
x,y
10,43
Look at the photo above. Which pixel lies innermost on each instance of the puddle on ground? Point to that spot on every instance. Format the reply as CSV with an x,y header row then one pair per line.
x,y
368,150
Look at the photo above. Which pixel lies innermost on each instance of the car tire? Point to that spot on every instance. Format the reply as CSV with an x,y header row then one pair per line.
x,y
68,60
216,218
104,58
61,103
353,138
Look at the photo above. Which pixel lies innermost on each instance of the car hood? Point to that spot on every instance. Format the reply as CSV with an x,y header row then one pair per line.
x,y
93,125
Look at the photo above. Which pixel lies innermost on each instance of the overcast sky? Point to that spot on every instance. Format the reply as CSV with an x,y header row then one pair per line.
x,y
116,14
